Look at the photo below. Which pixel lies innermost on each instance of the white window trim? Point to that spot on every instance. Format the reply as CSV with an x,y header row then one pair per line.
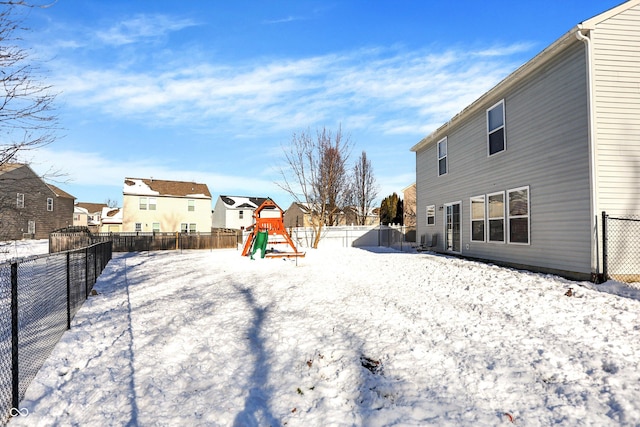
x,y
444,226
20,200
504,219
191,205
434,215
484,218
528,216
137,227
49,204
140,204
445,157
152,202
504,126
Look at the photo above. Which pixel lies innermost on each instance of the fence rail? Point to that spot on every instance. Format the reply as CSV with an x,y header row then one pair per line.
x,y
621,247
398,237
146,241
39,296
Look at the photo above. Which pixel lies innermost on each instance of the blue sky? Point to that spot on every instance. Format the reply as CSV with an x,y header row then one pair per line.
x,y
212,91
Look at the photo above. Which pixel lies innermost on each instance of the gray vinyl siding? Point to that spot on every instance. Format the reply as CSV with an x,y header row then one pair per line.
x,y
546,120
616,69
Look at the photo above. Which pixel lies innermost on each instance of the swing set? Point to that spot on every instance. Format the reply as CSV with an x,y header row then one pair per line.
x,y
269,229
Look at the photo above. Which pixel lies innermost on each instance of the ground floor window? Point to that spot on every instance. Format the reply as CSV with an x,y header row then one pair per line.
x,y
156,227
431,215
187,227
518,210
477,219
496,217
138,226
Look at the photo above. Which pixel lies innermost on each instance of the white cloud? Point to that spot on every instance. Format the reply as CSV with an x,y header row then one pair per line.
x,y
388,90
142,27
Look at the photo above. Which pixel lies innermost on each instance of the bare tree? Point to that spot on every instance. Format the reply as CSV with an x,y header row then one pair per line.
x,y
26,103
111,203
364,189
27,122
316,176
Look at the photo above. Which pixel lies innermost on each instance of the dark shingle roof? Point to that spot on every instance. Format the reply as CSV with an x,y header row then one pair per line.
x,y
171,188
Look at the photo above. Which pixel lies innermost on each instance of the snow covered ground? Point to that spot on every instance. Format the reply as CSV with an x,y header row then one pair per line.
x,y
22,248
343,337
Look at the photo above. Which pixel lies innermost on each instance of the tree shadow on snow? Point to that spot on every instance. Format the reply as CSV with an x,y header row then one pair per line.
x,y
256,408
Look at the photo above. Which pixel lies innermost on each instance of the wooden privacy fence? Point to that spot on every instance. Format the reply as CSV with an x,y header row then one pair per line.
x,y
138,241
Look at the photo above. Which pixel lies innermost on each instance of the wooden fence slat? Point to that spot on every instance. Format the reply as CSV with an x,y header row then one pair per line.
x,y
137,242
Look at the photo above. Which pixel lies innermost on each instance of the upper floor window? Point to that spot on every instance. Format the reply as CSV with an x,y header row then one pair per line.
x,y
240,214
20,200
191,205
477,219
496,217
431,215
495,129
518,211
152,203
49,204
442,156
143,203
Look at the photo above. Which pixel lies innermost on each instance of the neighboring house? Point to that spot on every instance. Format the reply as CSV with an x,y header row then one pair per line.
x,y
29,207
300,215
165,206
94,214
110,220
409,205
521,175
235,211
350,216
80,217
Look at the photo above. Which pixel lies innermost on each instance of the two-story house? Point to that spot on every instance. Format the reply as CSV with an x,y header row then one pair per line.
x,y
235,211
522,174
29,207
165,206
93,212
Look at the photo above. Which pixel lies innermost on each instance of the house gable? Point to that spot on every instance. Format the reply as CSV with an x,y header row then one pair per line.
x,y
29,206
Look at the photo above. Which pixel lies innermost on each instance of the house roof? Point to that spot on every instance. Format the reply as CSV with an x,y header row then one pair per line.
x,y
111,215
60,193
80,210
539,61
92,207
8,167
242,202
12,166
159,187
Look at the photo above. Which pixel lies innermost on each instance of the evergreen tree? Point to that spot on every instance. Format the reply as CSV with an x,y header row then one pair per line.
x,y
391,210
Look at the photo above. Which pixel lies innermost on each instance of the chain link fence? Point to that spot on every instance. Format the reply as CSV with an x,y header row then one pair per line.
x,y
621,247
39,296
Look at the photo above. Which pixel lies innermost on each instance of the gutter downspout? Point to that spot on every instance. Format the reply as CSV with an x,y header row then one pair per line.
x,y
595,255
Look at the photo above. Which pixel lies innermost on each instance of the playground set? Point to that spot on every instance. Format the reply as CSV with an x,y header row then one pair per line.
x,y
268,228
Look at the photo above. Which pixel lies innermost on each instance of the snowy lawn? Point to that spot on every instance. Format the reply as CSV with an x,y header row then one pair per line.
x,y
343,337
